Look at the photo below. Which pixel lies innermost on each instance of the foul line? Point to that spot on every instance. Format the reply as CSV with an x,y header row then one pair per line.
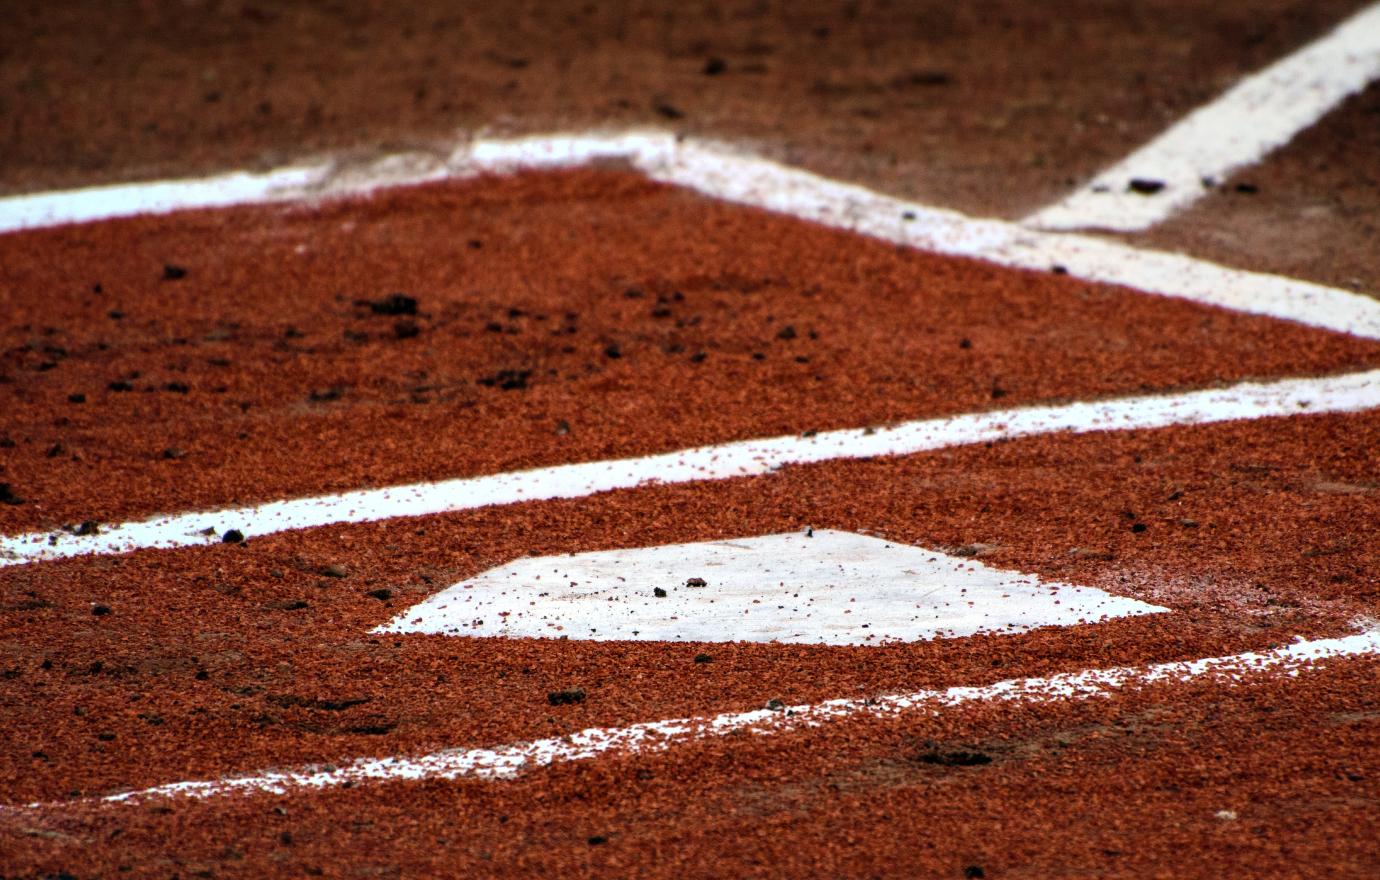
x,y
509,761
722,172
1259,114
1352,392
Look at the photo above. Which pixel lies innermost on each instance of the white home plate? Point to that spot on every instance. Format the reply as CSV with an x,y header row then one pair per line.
x,y
834,588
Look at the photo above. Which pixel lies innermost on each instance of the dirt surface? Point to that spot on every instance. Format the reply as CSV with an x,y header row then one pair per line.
x,y
218,358
1249,531
994,108
214,660
1211,783
1309,210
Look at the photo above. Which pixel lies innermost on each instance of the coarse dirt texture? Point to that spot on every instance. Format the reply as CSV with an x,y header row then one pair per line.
x,y
1215,782
222,357
225,659
994,108
1308,211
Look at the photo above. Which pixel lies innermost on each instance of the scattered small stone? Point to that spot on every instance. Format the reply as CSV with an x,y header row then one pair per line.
x,y
334,571
613,352
965,343
669,111
105,736
597,840
1059,270
1145,186
698,357
173,272
1247,189
383,594
76,398
177,387
1189,523
566,698
233,536
974,872
977,549
120,385
394,304
775,706
326,394
100,610
292,605
172,453
703,658
7,495
562,428
787,332
960,758
507,380
1138,527
697,582
714,66
659,592
86,527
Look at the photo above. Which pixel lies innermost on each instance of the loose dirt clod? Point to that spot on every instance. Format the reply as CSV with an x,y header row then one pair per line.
x,y
566,698
393,304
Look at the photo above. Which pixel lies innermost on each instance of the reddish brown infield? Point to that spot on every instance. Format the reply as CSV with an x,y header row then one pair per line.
x,y
218,358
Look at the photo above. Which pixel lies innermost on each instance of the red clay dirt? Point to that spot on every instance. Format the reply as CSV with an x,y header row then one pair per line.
x,y
1184,781
215,358
994,108
223,659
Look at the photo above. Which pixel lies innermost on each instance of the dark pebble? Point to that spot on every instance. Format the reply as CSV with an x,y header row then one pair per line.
x,y
787,332
173,272
714,67
703,658
613,352
1138,527
334,571
1145,186
120,385
383,594
597,840
406,329
566,698
659,592
76,398
234,536
669,111
973,872
696,582
394,304
7,495
100,610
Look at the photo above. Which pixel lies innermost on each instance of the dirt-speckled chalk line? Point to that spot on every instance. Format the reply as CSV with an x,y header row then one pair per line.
x,y
1259,114
1352,392
724,172
509,761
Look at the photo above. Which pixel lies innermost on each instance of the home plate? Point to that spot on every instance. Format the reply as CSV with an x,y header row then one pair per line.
x,y
828,587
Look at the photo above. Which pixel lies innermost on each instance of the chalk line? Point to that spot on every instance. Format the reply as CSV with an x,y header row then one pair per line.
x,y
1259,114
510,761
1351,392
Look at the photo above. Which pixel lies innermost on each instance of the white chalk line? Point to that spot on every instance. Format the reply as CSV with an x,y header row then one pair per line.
x,y
510,761
1353,392
725,173
1259,114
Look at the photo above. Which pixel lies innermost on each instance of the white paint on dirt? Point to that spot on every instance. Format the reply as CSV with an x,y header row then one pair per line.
x,y
1259,114
1353,392
509,761
821,587
724,172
